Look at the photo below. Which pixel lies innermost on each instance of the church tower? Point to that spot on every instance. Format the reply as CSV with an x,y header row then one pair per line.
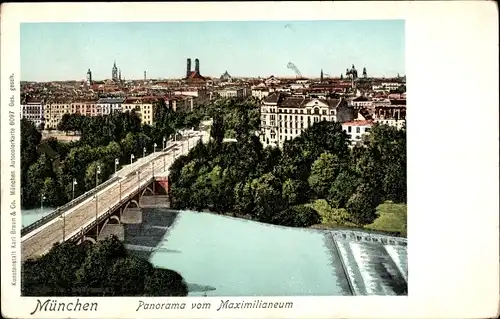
x,y
89,77
365,75
321,76
114,72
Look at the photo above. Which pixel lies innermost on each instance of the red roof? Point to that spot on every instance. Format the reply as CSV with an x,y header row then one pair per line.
x,y
195,76
359,123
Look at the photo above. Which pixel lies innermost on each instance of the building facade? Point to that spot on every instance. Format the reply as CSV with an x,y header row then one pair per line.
x,y
33,110
284,117
356,129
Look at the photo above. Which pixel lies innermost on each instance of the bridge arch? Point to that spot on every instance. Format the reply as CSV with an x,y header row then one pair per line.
x,y
113,217
146,189
133,201
88,240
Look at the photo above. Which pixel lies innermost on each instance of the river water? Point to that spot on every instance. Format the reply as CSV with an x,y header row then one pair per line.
x,y
224,256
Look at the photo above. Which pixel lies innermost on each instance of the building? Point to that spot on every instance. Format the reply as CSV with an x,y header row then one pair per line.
x,y
194,77
89,77
260,93
114,73
356,129
143,107
110,105
33,110
225,77
393,114
284,117
231,92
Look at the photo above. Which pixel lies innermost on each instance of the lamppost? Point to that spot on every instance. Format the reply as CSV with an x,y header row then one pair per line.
x,y
117,162
63,216
96,225
144,152
74,183
154,148
131,158
153,169
97,172
138,180
41,202
164,142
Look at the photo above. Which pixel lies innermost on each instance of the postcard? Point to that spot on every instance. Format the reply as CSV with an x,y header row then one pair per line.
x,y
249,160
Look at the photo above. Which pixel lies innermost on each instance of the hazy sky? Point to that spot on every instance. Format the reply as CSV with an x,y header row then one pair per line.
x,y
64,51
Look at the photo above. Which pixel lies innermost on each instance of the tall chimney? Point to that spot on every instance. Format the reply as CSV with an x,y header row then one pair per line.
x,y
188,70
197,66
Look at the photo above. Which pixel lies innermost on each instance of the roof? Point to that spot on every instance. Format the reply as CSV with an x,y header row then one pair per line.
x,y
358,123
398,102
361,99
111,100
195,76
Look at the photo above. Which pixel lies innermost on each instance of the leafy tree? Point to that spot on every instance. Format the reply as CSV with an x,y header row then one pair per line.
x,y
362,205
266,191
165,282
323,173
297,216
343,188
127,276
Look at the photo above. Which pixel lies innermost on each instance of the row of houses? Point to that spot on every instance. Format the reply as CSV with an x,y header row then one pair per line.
x,y
48,114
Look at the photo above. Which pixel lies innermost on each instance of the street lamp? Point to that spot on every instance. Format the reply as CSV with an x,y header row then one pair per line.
x,y
164,142
138,180
74,183
96,225
154,148
117,162
63,216
144,152
97,172
131,158
41,202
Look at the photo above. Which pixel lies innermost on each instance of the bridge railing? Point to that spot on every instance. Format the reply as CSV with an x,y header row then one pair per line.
x,y
105,215
61,209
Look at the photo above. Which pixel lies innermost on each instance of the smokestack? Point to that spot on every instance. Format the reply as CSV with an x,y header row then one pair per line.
x,y
188,70
197,66
144,75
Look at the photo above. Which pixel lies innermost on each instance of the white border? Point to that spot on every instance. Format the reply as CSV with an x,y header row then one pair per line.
x,y
452,72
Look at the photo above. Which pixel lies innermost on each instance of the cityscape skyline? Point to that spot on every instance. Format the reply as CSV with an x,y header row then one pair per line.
x,y
244,49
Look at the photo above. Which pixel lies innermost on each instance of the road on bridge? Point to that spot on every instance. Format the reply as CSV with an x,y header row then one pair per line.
x,y
42,239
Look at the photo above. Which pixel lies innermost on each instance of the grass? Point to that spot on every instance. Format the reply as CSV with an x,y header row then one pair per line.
x,y
391,217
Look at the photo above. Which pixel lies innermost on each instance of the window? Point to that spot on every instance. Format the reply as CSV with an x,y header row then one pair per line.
x,y
367,129
301,118
301,125
280,117
286,117
286,131
332,112
308,111
324,118
349,129
324,112
296,117
358,130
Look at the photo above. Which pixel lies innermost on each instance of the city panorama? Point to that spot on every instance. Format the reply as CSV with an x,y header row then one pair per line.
x,y
214,159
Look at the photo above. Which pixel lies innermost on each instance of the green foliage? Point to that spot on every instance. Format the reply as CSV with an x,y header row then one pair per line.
x,y
329,215
323,172
391,218
297,216
104,269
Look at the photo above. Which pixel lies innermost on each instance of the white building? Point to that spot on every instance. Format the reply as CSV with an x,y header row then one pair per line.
x,y
110,105
356,129
231,92
33,110
284,117
260,93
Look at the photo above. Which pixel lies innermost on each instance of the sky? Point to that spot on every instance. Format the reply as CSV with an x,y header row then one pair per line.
x,y
65,51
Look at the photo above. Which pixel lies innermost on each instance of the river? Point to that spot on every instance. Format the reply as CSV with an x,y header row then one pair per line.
x,y
225,256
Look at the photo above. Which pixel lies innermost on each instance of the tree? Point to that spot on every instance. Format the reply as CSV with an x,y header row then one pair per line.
x,y
342,188
165,282
217,130
323,173
362,205
127,276
297,216
266,191
91,176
